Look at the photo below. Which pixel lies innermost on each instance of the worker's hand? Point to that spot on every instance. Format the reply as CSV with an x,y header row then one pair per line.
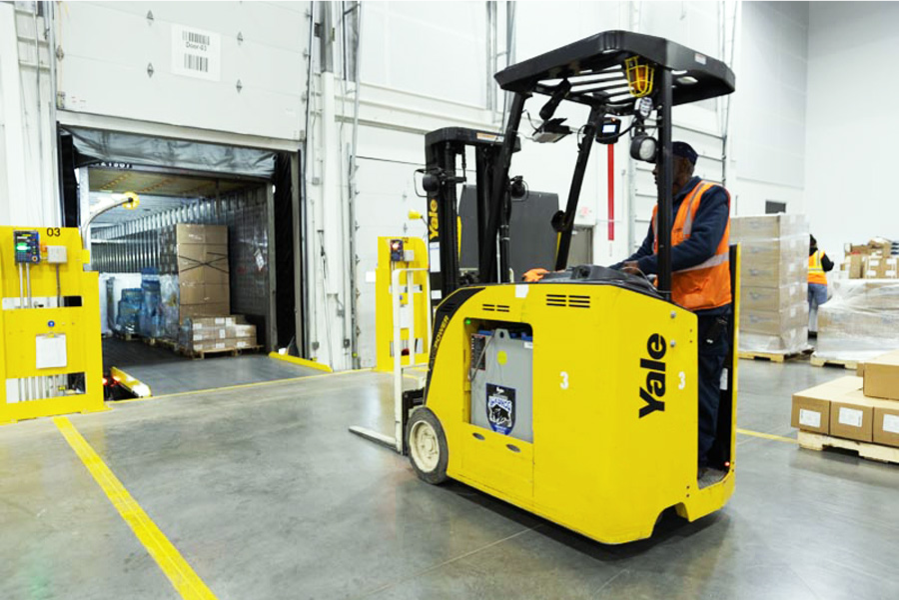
x,y
534,275
631,267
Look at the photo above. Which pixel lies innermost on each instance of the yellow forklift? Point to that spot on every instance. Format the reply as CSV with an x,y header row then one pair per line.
x,y
574,397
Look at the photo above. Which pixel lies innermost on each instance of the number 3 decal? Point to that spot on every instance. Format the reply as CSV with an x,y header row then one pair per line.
x,y
681,382
564,384
53,232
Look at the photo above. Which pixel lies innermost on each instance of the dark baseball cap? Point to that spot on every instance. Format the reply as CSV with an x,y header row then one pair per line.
x,y
684,150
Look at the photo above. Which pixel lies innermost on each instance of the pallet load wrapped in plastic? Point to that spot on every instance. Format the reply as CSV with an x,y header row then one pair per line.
x,y
150,321
214,334
169,307
774,263
860,321
129,311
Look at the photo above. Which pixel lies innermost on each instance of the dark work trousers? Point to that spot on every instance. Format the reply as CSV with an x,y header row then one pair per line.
x,y
713,349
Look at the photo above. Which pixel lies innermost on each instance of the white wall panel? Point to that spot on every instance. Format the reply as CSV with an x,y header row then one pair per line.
x,y
108,46
853,113
435,49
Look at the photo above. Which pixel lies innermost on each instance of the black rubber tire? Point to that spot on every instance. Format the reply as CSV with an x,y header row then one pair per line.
x,y
423,417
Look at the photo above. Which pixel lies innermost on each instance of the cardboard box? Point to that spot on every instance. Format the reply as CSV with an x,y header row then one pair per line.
x,y
245,331
811,408
769,226
854,266
768,299
191,311
881,246
774,323
881,376
851,416
203,263
188,233
202,293
885,423
213,322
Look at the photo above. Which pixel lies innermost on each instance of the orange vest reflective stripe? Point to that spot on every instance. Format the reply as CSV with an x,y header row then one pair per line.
x,y
816,272
707,285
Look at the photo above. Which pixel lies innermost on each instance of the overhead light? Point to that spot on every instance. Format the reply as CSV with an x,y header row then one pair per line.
x,y
687,80
643,147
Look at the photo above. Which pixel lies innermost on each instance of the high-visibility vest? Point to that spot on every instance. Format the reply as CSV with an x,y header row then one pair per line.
x,y
816,272
707,285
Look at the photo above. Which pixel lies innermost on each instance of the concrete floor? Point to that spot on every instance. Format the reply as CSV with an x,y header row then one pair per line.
x,y
267,495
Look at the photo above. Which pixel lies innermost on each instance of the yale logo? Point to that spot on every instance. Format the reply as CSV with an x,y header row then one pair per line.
x,y
656,376
432,219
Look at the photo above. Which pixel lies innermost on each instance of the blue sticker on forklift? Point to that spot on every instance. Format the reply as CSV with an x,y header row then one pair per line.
x,y
501,408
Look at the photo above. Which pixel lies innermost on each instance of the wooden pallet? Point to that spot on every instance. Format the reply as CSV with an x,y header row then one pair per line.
x,y
818,442
773,356
817,361
162,342
201,354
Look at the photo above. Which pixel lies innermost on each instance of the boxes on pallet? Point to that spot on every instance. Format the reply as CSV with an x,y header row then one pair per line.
x,y
217,333
811,408
870,261
774,264
195,257
841,409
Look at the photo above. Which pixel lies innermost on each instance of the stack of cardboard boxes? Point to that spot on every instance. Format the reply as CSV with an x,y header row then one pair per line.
x,y
774,264
870,261
205,334
863,409
198,255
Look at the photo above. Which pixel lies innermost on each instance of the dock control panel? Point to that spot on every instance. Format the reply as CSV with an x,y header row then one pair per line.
x,y
27,246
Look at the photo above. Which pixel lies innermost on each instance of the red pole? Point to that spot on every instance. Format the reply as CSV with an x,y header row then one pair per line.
x,y
610,206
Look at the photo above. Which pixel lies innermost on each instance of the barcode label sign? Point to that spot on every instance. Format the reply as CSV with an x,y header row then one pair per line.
x,y
196,53
195,38
196,63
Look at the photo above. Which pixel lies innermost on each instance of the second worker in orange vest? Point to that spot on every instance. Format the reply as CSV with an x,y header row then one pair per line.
x,y
700,278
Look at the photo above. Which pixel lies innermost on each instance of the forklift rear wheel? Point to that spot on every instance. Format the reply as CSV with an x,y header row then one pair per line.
x,y
427,446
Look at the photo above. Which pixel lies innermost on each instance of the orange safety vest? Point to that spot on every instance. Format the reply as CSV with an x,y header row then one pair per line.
x,y
707,285
816,272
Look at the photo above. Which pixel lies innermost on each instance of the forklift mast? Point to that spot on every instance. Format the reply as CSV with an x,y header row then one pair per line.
x,y
443,149
615,73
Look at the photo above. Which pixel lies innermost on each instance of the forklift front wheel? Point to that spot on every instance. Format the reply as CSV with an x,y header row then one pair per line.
x,y
427,446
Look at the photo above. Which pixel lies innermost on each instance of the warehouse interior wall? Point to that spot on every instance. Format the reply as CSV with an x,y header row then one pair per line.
x,y
769,119
852,121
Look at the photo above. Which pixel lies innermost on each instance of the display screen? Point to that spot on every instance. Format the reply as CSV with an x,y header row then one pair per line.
x,y
610,128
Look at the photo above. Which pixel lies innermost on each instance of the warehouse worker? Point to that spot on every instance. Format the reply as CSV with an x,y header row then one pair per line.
x,y
701,281
817,291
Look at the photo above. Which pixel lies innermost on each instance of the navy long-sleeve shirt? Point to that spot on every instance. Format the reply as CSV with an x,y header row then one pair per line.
x,y
706,233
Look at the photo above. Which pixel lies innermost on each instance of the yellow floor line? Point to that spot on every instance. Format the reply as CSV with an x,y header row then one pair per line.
x,y
241,386
768,436
179,572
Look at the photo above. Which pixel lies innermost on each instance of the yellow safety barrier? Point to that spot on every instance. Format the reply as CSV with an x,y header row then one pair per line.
x,y
50,327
